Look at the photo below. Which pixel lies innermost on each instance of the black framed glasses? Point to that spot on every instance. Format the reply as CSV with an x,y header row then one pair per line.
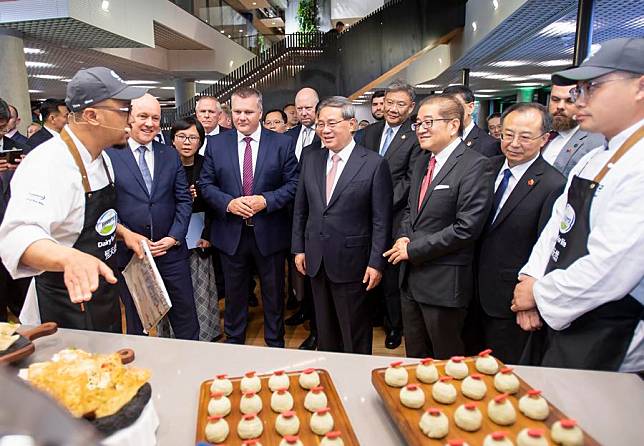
x,y
183,138
586,88
523,139
428,123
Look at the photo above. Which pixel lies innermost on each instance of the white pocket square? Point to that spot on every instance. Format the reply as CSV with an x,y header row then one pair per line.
x,y
442,186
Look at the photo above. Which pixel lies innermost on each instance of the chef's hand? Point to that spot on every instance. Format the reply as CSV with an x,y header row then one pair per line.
x,y
161,247
523,296
201,243
398,252
239,207
81,273
529,320
300,263
371,277
256,202
133,241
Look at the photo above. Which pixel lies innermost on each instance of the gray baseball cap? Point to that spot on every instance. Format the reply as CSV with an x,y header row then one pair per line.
x,y
626,54
93,85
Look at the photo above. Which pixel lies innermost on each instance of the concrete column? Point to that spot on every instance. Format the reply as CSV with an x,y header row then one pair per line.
x,y
14,87
184,90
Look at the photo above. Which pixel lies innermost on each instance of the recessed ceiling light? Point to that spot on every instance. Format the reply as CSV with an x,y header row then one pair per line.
x,y
559,29
241,30
540,76
46,76
223,31
528,84
482,95
166,88
105,5
555,63
474,26
486,91
35,91
33,51
206,81
142,82
427,86
32,64
510,63
495,4
229,36
517,78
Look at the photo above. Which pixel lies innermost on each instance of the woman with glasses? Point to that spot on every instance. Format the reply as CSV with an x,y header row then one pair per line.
x,y
187,137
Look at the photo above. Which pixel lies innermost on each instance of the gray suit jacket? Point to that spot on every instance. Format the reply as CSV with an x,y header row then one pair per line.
x,y
579,144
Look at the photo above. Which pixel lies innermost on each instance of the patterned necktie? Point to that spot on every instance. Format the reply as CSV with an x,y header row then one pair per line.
x,y
145,170
306,135
247,178
500,191
330,177
389,135
427,180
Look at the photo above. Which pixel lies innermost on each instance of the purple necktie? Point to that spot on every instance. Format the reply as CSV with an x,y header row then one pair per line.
x,y
247,180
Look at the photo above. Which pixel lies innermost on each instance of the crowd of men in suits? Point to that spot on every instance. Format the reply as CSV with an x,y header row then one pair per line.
x,y
431,218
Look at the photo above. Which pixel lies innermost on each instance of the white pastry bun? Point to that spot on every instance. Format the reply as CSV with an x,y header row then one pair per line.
x,y
499,438
250,402
444,391
534,406
333,438
287,423
216,429
315,399
531,437
396,375
501,411
321,421
412,396
278,380
291,440
219,404
281,400
456,367
250,383
309,378
468,417
506,381
566,432
222,384
250,426
474,387
486,363
434,423
426,371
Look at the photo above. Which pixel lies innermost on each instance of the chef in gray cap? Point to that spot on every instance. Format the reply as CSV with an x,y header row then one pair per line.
x,y
61,224
585,276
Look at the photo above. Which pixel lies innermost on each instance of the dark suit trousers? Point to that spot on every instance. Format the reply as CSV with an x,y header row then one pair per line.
x,y
238,270
431,331
302,285
390,291
183,314
12,293
342,311
505,338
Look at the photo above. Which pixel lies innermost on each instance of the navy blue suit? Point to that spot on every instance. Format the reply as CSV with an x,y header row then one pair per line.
x,y
163,212
266,243
20,138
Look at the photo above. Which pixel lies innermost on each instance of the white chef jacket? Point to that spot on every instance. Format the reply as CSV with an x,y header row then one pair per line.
x,y
614,265
47,203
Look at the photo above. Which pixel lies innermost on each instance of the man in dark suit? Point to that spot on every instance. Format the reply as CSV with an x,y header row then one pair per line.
x,y
153,200
12,127
341,227
449,200
474,137
526,188
395,140
248,179
306,101
208,111
54,117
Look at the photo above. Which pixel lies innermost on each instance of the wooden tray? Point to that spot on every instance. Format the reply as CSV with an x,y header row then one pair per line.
x,y
24,346
407,419
270,437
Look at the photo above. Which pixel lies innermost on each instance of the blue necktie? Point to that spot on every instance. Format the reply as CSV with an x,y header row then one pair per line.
x,y
389,135
500,191
143,167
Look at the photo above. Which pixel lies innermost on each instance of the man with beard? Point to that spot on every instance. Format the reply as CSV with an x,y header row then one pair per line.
x,y
567,142
378,105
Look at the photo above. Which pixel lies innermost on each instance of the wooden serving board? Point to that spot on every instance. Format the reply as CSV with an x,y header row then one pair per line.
x,y
407,419
24,346
270,437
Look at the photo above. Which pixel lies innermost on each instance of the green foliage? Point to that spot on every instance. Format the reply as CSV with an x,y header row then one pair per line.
x,y
307,16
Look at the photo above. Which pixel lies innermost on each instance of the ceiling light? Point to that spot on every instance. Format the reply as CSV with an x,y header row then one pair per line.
x,y
482,95
31,64
206,81
555,63
166,88
510,63
474,26
141,82
541,76
33,51
231,63
241,30
529,84
495,4
222,31
105,5
559,29
486,91
229,36
35,91
427,86
46,76
516,78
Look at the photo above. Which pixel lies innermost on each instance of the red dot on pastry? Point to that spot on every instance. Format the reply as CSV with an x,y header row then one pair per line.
x,y
456,442
426,361
317,389
288,414
396,364
476,376
282,390
446,379
434,411
221,376
249,416
506,370
412,386
279,373
534,392
458,358
501,398
216,395
535,433
291,439
308,371
249,394
499,435
470,406
250,442
323,410
249,374
568,423
333,435
485,352
215,417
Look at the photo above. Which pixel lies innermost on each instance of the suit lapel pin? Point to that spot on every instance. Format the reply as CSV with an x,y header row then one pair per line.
x,y
403,137
468,143
530,182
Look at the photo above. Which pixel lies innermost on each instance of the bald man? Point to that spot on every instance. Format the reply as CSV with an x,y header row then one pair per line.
x,y
153,200
306,101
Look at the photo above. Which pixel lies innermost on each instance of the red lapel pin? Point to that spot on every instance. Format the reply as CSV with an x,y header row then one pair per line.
x,y
530,182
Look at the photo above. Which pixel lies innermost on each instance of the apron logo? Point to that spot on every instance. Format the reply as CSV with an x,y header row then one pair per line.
x,y
106,224
568,220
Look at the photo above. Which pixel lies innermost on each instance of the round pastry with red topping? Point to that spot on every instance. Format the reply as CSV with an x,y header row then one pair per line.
x,y
278,380
506,381
287,423
499,438
315,399
219,404
456,442
456,367
217,429
412,396
534,406
333,438
486,363
250,383
250,426
309,378
221,383
250,403
474,387
434,423
281,400
443,391
291,440
566,432
426,371
501,411
531,437
396,375
251,442
468,417
321,421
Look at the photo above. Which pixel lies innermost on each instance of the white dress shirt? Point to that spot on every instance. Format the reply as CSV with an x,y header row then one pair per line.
x,y
467,130
554,147
47,203
614,265
241,149
202,149
11,133
517,173
149,154
444,154
384,133
344,155
302,141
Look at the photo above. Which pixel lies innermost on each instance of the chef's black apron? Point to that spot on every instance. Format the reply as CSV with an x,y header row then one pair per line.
x,y
599,339
97,238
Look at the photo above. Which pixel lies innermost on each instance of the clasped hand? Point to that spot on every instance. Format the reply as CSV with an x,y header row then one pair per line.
x,y
247,206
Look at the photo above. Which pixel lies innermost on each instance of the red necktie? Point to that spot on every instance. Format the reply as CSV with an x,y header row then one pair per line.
x,y
247,178
427,180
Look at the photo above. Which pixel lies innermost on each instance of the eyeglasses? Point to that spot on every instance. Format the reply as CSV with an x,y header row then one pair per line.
x,y
523,139
586,89
330,124
183,138
429,123
127,109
